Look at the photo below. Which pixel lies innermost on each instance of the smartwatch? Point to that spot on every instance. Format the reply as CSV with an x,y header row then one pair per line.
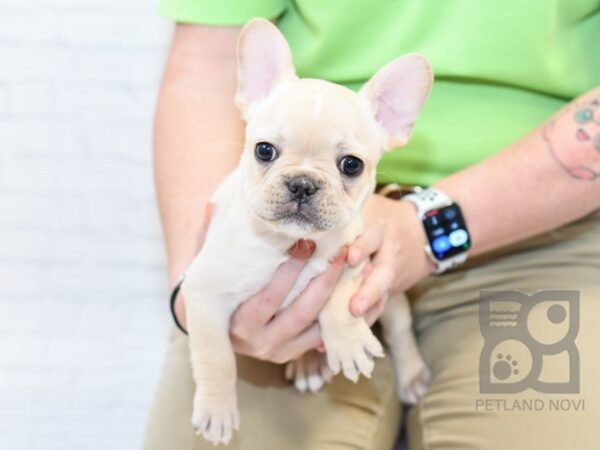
x,y
447,234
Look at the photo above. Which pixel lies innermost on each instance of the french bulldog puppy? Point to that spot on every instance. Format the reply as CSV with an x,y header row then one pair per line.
x,y
308,165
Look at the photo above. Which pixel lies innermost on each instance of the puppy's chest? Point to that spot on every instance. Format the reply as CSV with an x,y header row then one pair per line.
x,y
311,270
260,267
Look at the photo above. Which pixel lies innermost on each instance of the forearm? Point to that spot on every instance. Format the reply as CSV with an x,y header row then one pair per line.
x,y
198,134
548,179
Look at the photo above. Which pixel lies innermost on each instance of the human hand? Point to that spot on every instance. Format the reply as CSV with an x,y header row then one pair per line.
x,y
260,330
394,240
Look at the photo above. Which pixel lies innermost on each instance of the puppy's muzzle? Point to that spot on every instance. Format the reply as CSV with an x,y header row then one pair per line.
x,y
301,188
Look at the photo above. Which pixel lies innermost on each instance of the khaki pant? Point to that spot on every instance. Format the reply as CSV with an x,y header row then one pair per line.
x,y
453,414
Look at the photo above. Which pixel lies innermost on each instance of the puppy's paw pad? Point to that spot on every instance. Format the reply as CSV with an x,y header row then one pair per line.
x,y
216,425
413,387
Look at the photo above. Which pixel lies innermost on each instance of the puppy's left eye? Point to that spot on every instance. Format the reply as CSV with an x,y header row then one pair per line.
x,y
351,166
265,152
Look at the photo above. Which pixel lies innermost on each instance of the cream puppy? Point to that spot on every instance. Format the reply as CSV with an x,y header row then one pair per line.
x,y
307,167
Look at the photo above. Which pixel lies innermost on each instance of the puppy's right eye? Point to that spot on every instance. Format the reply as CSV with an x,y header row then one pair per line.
x,y
265,152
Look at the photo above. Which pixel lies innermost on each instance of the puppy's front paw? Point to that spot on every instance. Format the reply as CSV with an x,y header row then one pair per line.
x,y
310,372
351,349
216,419
413,381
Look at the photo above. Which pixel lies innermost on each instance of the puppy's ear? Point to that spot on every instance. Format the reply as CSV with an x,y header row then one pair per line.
x,y
264,60
395,95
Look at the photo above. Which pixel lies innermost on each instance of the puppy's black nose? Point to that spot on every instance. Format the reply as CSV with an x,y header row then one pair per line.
x,y
301,188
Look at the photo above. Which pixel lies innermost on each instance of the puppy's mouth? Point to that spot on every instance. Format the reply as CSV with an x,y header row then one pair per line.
x,y
296,212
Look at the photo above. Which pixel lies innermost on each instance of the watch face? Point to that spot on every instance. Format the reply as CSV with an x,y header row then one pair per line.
x,y
447,232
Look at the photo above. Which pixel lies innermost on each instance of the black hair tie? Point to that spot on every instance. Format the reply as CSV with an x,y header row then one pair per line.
x,y
174,293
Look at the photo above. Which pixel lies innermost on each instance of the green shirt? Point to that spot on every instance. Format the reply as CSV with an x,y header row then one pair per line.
x,y
501,68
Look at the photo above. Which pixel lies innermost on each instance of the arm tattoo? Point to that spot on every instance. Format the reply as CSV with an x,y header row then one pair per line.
x,y
573,139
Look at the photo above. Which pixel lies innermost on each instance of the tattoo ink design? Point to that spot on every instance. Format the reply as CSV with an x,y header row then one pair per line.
x,y
576,148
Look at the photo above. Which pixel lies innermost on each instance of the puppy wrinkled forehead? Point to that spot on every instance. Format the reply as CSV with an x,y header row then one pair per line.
x,y
316,112
316,98
318,107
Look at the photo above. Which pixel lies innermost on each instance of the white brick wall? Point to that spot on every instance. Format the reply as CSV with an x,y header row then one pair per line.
x,y
83,309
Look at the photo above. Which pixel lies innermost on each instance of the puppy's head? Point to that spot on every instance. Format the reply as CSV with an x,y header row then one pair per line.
x,y
311,146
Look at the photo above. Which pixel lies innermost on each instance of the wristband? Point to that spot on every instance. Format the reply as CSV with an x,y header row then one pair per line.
x,y
174,294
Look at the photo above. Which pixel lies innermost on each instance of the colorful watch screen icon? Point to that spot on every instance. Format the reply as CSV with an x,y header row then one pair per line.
x,y
446,231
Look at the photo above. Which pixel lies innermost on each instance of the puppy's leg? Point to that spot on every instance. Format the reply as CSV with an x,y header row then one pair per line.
x,y
412,375
310,372
215,412
348,340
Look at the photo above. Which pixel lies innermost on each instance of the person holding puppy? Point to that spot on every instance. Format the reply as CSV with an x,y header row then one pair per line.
x,y
511,134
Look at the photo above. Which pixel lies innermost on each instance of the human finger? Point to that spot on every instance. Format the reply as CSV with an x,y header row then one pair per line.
x,y
304,310
377,284
258,310
365,245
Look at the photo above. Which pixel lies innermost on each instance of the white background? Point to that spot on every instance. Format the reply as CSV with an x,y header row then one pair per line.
x,y
83,307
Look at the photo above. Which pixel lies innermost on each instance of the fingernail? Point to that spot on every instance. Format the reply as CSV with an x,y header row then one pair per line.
x,y
361,306
307,246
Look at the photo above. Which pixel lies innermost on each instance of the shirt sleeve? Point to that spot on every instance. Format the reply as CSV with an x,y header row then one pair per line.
x,y
220,12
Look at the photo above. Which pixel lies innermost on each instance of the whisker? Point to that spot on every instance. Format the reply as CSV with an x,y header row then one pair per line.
x,y
391,178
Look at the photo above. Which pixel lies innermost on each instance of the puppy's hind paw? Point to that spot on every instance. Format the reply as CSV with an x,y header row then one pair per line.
x,y
217,425
413,386
310,372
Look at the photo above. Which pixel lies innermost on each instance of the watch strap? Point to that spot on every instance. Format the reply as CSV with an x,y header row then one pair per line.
x,y
428,199
447,264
